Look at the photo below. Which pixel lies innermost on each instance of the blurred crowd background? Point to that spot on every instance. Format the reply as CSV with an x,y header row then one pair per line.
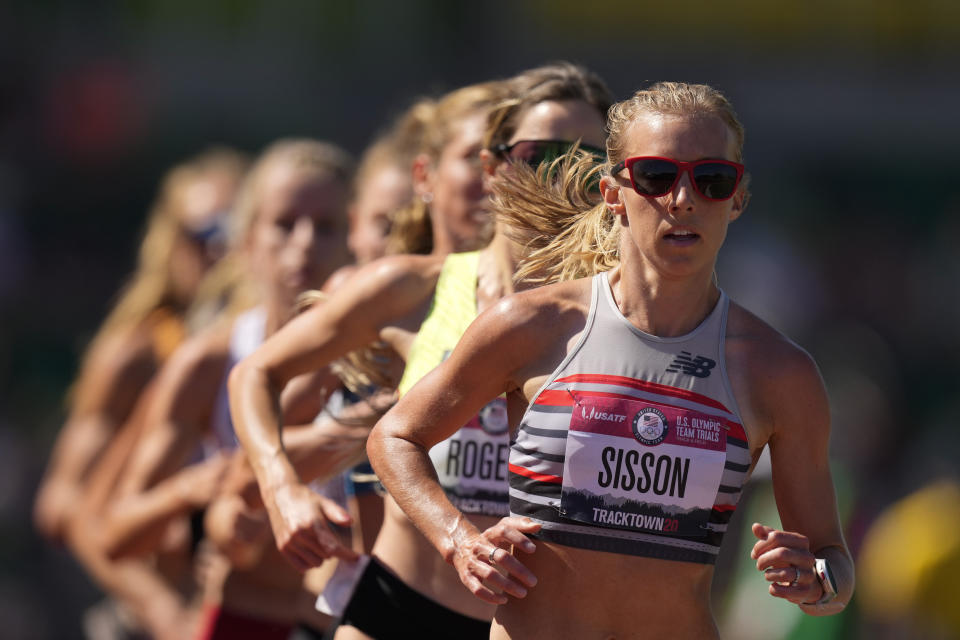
x,y
849,245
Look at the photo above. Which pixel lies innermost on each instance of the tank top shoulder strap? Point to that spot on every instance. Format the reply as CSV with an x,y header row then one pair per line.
x,y
453,308
711,329
246,334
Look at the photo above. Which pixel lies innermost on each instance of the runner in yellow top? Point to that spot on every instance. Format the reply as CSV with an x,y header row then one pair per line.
x,y
472,463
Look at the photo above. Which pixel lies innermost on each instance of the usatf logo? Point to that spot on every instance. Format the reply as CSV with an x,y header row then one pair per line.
x,y
650,426
493,417
692,366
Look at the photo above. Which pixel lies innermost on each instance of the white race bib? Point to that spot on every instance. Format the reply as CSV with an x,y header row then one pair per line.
x,y
642,466
472,463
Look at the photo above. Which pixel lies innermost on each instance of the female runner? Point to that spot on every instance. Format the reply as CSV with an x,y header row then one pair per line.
x,y
405,589
183,239
649,396
181,243
289,234
383,184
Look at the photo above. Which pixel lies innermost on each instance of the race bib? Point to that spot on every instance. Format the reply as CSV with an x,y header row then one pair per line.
x,y
642,466
472,463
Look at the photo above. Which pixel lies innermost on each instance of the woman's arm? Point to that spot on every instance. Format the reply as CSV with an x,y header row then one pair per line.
x,y
495,356
353,316
319,450
803,486
136,525
156,487
113,376
134,581
176,418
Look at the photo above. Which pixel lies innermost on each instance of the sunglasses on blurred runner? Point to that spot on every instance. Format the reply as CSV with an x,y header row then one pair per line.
x,y
536,152
653,176
211,237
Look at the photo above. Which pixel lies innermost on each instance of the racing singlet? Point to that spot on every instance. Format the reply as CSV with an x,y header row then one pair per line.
x,y
635,444
248,333
472,463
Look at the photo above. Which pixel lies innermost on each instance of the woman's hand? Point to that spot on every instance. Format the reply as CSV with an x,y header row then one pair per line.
x,y
787,563
200,483
55,502
238,531
484,562
299,518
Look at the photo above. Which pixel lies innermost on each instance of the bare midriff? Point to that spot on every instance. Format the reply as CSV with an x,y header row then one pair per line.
x,y
409,555
594,594
271,589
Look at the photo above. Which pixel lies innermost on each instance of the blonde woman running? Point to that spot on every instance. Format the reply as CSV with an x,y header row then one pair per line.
x,y
183,239
289,234
640,398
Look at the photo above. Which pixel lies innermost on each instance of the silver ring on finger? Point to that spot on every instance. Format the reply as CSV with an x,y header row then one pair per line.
x,y
492,554
796,577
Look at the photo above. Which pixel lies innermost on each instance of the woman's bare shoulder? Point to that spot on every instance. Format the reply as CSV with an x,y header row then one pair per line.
x,y
116,367
122,348
753,343
774,378
530,319
549,302
394,281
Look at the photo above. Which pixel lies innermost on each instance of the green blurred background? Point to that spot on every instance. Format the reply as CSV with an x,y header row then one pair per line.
x,y
848,246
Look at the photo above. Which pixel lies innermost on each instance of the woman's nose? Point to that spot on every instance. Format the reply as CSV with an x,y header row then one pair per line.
x,y
683,197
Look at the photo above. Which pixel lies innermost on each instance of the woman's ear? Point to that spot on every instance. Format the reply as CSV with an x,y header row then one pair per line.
x,y
488,161
488,168
422,176
610,191
740,201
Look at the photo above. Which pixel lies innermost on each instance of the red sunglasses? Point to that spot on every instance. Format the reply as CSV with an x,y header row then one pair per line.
x,y
653,176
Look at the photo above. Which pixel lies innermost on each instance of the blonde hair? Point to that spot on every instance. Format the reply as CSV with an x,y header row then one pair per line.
x,y
434,123
228,288
400,143
568,234
550,213
412,230
151,287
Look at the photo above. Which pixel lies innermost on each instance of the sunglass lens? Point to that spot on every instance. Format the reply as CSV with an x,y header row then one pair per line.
x,y
535,152
653,177
715,180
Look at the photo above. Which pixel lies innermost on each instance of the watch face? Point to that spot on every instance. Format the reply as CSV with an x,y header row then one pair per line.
x,y
826,579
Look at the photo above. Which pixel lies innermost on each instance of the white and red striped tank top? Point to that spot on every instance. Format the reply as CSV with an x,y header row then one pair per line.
x,y
635,444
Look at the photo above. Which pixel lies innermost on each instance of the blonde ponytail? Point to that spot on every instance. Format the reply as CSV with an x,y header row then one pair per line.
x,y
554,212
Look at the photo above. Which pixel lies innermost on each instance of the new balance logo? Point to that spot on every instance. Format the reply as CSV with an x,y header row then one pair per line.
x,y
698,366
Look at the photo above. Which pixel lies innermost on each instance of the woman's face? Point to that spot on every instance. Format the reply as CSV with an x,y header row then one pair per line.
x,y
386,189
200,208
680,233
566,120
455,183
299,236
569,120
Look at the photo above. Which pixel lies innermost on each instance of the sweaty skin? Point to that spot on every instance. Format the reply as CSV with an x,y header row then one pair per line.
x,y
386,300
664,287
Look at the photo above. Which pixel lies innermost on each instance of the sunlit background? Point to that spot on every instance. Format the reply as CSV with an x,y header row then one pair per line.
x,y
849,245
